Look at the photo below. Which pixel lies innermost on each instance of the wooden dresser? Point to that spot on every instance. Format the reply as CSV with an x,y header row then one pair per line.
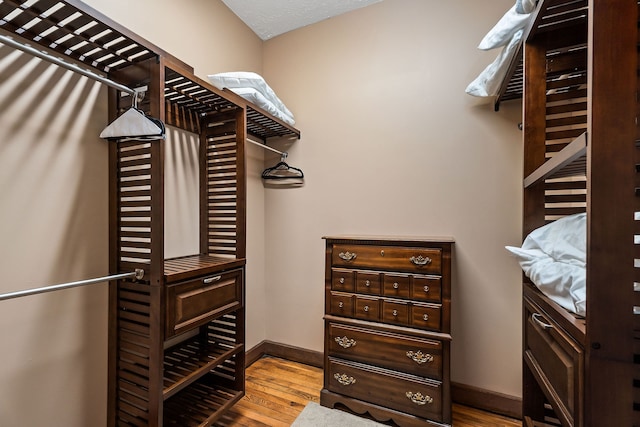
x,y
388,328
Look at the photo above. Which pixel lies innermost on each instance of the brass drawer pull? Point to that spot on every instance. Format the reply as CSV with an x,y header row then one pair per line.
x,y
344,379
420,260
420,357
345,342
419,399
536,318
211,279
347,256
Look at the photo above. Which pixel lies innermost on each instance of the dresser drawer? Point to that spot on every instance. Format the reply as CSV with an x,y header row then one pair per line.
x,y
368,282
418,260
409,394
395,312
341,304
393,351
426,288
556,358
367,308
426,316
342,280
397,285
195,302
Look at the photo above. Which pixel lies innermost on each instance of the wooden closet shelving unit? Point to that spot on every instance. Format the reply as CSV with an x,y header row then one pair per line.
x,y
581,155
176,337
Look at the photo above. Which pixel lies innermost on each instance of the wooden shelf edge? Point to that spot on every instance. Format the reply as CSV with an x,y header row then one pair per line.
x,y
548,390
571,324
211,402
201,371
571,153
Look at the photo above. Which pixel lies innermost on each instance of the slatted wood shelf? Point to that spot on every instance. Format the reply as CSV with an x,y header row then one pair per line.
x,y
182,268
80,34
186,362
201,404
549,16
570,161
265,126
76,31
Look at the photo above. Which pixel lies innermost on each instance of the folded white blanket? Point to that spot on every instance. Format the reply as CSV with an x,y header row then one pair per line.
x,y
489,81
245,79
254,96
503,31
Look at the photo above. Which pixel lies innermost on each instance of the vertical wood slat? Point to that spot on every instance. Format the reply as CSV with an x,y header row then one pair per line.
x,y
156,97
241,186
534,132
222,160
613,40
136,324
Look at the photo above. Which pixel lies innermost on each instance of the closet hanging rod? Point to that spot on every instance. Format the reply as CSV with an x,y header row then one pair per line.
x,y
266,147
138,274
73,67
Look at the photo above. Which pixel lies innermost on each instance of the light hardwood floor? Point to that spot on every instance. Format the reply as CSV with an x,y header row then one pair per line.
x,y
277,390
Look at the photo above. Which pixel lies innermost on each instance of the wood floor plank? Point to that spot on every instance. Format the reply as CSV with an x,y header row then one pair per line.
x,y
277,390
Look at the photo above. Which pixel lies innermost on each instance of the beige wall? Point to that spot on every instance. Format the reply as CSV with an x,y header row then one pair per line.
x,y
53,210
391,145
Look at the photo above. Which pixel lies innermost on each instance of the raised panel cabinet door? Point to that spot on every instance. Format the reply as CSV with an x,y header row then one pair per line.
x,y
554,356
197,301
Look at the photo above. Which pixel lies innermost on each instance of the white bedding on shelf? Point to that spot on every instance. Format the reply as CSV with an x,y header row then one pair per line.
x,y
554,258
503,31
506,32
489,81
246,81
254,96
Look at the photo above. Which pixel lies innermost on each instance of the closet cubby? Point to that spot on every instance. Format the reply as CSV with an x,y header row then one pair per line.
x,y
176,336
579,79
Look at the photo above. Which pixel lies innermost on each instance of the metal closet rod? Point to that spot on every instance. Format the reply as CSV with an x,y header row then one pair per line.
x,y
73,67
138,274
266,147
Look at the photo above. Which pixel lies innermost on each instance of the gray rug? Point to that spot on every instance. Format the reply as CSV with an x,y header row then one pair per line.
x,y
314,415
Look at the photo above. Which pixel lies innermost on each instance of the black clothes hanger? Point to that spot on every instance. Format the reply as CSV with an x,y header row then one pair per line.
x,y
283,174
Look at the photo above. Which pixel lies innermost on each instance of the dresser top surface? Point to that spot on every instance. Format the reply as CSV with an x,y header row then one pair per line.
x,y
390,239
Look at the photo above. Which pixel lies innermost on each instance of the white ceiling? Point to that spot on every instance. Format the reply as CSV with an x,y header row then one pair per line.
x,y
270,18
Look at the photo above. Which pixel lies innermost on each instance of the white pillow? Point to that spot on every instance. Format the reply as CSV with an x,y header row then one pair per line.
x,y
554,258
503,31
525,6
237,79
252,95
489,81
